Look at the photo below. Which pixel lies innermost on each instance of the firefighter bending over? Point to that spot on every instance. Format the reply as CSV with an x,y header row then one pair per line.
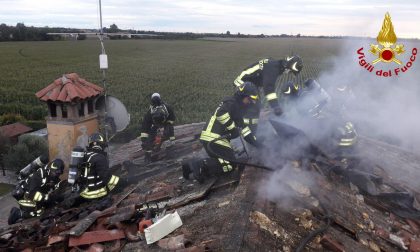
x,y
225,124
159,115
38,191
264,74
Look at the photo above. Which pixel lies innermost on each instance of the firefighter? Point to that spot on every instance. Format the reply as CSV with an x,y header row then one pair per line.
x,y
264,74
308,98
225,124
40,190
96,180
159,115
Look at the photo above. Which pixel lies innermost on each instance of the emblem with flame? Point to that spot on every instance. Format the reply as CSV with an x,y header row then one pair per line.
x,y
387,39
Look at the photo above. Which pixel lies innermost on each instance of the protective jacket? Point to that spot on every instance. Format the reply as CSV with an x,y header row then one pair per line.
x,y
97,180
227,120
37,190
264,73
167,121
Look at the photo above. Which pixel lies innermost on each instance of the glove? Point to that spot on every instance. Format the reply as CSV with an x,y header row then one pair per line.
x,y
278,111
294,64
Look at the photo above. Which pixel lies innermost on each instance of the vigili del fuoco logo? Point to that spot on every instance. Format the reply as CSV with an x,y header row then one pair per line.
x,y
388,51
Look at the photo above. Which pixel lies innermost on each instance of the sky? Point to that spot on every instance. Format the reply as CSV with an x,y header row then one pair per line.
x,y
339,17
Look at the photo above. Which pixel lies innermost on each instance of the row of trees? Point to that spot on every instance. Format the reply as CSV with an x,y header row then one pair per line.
x,y
20,32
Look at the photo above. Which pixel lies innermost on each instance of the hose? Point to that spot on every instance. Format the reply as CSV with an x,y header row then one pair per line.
x,y
235,161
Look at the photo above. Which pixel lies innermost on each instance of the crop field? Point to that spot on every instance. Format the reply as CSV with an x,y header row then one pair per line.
x,y
191,75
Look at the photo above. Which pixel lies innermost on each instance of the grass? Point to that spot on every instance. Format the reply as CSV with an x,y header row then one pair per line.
x,y
5,188
191,75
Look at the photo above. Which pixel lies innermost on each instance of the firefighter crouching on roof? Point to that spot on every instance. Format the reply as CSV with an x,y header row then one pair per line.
x,y
95,179
225,124
159,115
38,191
264,74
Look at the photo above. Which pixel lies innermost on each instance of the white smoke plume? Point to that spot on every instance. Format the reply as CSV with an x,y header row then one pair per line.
x,y
383,108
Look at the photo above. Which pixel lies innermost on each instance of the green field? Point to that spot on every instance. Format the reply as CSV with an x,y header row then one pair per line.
x,y
191,75
5,188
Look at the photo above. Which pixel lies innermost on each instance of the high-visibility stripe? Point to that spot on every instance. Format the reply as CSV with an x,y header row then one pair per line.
x,y
27,203
238,81
223,119
246,131
231,126
170,122
271,96
172,138
144,135
113,181
209,136
93,194
211,123
227,167
38,196
251,121
347,141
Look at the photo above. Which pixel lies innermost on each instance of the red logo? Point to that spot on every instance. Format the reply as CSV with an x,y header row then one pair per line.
x,y
386,52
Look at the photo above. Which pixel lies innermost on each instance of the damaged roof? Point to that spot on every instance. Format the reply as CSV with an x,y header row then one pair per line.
x,y
249,209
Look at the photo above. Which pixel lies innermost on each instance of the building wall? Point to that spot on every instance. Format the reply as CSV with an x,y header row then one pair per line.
x,y
63,136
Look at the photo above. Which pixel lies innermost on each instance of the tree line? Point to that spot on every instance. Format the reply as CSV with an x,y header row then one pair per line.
x,y
20,32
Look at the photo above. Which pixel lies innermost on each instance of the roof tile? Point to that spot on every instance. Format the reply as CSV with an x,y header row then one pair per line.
x,y
69,88
14,129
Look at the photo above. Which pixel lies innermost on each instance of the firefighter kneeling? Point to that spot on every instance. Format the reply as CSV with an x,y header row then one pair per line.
x,y
95,179
37,191
226,123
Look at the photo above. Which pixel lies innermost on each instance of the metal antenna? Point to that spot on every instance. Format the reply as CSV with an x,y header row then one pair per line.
x,y
103,65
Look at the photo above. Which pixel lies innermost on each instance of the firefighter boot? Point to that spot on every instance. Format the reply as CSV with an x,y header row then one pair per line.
x,y
14,216
186,170
147,157
198,170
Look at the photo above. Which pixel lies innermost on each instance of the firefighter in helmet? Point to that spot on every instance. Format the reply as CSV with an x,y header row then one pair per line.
x,y
159,115
96,178
38,191
225,124
264,74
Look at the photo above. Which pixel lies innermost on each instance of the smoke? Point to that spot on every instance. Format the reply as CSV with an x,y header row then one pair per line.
x,y
383,108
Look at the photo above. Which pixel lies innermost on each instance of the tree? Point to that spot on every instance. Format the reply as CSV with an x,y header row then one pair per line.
x,y
228,33
113,28
21,154
11,118
4,148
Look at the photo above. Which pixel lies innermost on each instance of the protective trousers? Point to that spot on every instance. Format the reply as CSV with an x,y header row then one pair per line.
x,y
218,163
